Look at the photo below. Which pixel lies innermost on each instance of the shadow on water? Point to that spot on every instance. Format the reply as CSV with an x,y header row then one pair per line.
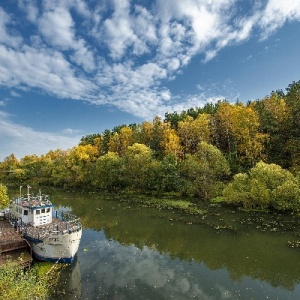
x,y
133,252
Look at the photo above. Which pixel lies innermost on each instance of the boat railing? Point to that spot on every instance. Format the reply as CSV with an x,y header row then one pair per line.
x,y
26,198
37,233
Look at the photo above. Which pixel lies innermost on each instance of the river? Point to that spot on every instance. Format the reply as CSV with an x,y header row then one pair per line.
x,y
129,251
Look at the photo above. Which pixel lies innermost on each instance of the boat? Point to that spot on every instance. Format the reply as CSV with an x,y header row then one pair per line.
x,y
51,236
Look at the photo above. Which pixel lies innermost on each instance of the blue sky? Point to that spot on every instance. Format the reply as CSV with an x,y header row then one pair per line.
x,y
69,68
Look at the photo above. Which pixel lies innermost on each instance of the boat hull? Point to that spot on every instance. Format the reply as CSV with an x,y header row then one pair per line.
x,y
62,248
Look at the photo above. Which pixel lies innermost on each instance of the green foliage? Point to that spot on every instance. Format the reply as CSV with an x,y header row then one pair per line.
x,y
108,172
202,172
266,186
17,284
169,178
89,139
292,133
137,163
4,200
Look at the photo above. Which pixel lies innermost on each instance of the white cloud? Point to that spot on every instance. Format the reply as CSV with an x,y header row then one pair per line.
x,y
57,28
277,13
120,34
30,8
83,56
22,140
123,53
44,69
7,37
15,94
70,131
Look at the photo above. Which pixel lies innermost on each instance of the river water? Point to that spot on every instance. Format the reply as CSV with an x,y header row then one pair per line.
x,y
130,251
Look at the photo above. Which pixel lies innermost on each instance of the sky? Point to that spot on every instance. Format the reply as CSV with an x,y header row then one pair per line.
x,y
69,68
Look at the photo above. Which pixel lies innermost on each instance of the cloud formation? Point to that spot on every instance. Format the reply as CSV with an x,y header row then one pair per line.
x,y
124,52
33,142
130,272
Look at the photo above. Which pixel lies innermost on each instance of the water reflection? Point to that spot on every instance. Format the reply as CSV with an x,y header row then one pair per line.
x,y
130,252
70,285
110,270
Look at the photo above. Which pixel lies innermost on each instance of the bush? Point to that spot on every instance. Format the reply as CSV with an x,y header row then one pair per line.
x,y
36,283
266,186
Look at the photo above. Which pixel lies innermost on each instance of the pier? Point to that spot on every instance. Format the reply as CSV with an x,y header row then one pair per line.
x,y
12,245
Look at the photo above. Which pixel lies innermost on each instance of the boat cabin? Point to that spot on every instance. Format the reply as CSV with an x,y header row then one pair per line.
x,y
33,210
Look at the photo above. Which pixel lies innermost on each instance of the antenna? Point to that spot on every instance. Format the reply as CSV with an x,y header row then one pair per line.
x,y
28,194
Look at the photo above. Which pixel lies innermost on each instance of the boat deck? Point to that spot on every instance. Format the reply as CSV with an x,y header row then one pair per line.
x,y
57,227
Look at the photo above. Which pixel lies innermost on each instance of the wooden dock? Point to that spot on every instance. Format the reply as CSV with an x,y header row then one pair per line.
x,y
12,245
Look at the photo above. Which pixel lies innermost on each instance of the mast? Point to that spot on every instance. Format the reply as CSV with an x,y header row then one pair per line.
x,y
28,194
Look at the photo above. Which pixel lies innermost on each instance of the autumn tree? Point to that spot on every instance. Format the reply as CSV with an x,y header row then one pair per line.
x,y
173,119
137,163
89,139
4,200
193,131
32,167
11,170
54,163
146,133
171,143
157,136
74,168
238,134
273,115
120,141
105,138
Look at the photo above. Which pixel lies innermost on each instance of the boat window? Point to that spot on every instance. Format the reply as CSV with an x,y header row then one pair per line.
x,y
48,210
43,210
37,212
25,212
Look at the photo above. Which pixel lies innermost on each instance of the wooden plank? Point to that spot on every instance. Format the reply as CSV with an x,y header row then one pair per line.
x,y
13,246
10,239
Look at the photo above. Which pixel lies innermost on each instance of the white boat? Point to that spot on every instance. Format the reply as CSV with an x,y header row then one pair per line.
x,y
51,237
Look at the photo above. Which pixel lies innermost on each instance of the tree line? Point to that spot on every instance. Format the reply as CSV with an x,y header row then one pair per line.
x,y
247,154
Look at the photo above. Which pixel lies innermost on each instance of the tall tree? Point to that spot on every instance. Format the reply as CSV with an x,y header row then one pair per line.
x,y
238,134
293,105
157,136
273,115
189,135
120,141
171,143
146,133
193,131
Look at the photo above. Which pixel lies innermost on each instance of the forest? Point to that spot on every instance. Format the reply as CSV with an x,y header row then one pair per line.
x,y
246,154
